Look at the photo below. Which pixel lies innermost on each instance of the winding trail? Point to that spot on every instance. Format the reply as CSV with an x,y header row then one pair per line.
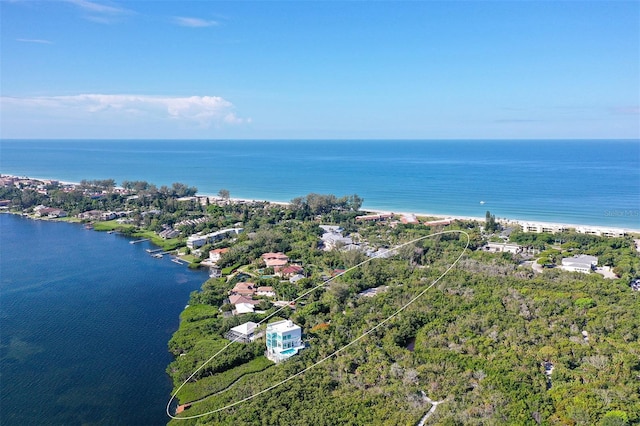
x,y
434,405
354,341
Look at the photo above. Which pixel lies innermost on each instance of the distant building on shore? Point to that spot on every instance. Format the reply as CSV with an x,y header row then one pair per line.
x,y
553,228
196,240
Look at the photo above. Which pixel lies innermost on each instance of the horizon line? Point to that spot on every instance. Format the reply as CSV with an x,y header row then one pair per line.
x,y
323,139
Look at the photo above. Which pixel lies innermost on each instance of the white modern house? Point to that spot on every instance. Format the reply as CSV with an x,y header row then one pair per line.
x,y
284,340
580,263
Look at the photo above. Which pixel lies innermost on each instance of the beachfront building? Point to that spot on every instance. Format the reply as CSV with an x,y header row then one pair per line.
x,y
375,217
580,263
553,228
539,228
284,340
601,232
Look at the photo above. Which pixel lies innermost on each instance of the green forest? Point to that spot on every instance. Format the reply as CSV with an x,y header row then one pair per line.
x,y
482,340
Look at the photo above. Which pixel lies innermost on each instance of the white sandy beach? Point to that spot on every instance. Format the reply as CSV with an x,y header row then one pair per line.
x,y
505,221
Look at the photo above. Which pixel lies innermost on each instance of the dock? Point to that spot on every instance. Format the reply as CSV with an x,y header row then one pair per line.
x,y
154,251
158,253
139,241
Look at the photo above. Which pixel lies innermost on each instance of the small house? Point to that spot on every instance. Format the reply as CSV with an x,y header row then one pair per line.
x,y
244,333
580,263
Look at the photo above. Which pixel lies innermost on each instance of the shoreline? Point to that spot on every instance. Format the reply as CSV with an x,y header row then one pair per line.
x,y
439,216
507,221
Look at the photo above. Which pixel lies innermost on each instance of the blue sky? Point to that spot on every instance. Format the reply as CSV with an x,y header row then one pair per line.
x,y
311,69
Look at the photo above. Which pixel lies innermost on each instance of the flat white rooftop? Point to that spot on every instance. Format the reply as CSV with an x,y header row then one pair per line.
x,y
282,326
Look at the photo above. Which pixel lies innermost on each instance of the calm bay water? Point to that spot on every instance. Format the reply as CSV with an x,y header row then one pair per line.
x,y
582,182
86,318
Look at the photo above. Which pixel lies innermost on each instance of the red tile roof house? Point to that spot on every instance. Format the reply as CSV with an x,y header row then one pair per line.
x,y
274,260
216,254
244,289
236,299
288,271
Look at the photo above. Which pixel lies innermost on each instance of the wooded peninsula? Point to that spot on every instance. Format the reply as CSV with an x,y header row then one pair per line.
x,y
527,328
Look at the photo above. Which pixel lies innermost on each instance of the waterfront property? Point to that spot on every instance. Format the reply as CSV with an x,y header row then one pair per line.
x,y
195,241
49,212
553,228
375,217
284,340
216,254
580,263
244,333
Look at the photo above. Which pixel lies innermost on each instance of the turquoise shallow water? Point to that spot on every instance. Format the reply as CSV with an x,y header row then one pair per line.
x,y
86,318
583,182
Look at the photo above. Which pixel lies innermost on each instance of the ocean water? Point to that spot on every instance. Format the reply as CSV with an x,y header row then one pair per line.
x,y
593,182
85,318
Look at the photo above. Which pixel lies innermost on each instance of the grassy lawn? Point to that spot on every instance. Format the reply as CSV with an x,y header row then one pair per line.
x,y
111,225
168,245
70,219
189,258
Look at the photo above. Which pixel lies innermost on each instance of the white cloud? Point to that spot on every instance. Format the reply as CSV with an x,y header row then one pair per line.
x,y
93,7
34,40
101,13
194,22
202,111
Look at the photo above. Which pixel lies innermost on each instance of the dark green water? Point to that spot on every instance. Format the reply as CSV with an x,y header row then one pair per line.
x,y
85,320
